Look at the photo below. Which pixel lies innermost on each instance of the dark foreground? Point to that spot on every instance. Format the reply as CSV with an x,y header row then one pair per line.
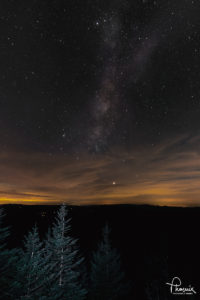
x,y
156,244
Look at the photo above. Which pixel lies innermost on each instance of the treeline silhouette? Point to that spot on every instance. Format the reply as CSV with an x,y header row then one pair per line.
x,y
156,244
55,269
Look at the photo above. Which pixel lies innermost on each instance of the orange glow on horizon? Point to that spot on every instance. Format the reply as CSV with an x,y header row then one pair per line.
x,y
156,177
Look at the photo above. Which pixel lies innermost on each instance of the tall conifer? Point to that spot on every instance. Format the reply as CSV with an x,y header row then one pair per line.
x,y
106,277
8,260
32,268
64,261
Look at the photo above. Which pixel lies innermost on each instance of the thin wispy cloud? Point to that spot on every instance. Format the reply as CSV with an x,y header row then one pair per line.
x,y
165,175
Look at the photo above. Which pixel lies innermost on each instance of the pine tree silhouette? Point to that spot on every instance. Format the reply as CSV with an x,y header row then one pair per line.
x,y
63,261
8,260
32,268
106,278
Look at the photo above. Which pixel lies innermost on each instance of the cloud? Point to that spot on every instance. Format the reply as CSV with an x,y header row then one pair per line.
x,y
168,174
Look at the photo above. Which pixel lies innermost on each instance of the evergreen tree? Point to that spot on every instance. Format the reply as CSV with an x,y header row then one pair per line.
x,y
64,261
8,260
32,267
106,278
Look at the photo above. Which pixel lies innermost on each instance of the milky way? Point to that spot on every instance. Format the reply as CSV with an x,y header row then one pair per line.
x,y
105,105
100,102
118,65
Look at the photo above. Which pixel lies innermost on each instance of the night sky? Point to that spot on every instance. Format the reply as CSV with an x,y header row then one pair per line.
x,y
100,102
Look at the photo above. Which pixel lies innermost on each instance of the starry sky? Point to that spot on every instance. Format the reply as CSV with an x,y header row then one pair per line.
x,y
100,102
